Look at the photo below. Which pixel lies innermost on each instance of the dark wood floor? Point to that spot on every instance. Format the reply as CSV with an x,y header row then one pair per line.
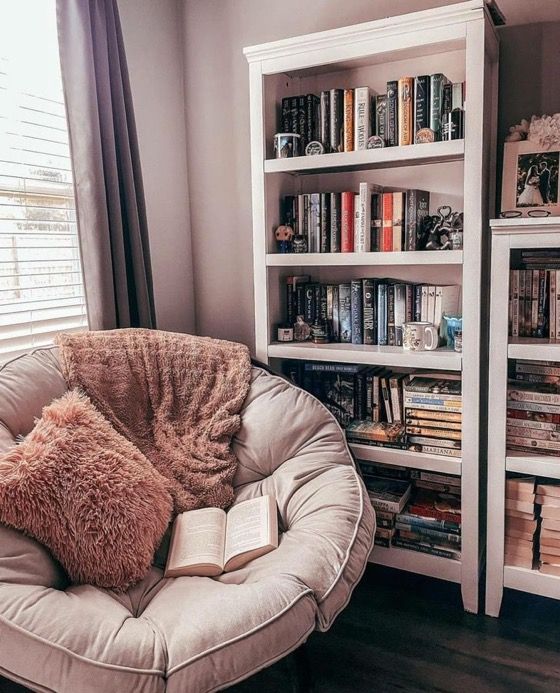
x,y
403,632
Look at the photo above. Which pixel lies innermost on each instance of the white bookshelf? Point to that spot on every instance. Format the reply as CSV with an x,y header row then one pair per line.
x,y
509,235
460,41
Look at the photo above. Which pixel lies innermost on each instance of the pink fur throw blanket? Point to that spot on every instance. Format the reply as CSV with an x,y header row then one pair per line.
x,y
176,397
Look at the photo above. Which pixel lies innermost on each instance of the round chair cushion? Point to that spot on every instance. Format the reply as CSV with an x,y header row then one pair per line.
x,y
192,633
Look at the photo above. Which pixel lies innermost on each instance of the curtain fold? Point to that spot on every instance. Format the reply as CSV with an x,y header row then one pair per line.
x,y
111,211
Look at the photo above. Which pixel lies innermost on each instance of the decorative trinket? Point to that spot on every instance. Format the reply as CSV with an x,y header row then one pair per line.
x,y
299,243
375,142
425,135
285,333
437,229
284,236
302,331
314,148
319,333
286,145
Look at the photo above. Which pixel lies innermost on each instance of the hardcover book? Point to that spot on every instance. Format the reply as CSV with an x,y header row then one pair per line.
x,y
381,116
325,120
392,136
347,222
210,541
356,307
336,120
437,82
348,120
417,209
335,222
345,312
405,110
362,130
388,494
421,102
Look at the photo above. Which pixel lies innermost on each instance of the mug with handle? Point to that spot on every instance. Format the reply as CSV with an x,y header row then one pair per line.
x,y
420,336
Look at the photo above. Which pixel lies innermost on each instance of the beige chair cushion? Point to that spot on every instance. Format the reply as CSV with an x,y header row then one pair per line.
x,y
192,634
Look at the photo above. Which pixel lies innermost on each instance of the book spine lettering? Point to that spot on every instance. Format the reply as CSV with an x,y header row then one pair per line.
x,y
421,102
362,101
405,111
347,222
348,120
357,311
392,137
325,120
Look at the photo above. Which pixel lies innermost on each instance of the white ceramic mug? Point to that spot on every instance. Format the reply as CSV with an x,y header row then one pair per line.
x,y
420,336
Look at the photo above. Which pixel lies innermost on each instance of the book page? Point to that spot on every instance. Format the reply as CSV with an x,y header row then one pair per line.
x,y
198,539
252,526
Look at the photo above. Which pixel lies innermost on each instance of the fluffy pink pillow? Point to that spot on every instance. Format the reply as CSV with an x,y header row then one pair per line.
x,y
85,492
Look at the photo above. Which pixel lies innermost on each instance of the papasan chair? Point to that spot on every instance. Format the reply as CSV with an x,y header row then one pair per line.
x,y
191,633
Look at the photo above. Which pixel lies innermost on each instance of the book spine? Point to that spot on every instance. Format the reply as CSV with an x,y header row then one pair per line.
x,y
557,311
542,304
436,450
426,548
534,396
348,120
405,111
534,433
529,416
552,445
362,242
552,304
387,227
437,477
347,222
427,532
514,293
417,303
446,108
314,223
285,117
325,120
300,299
398,215
432,423
400,312
429,523
387,506
376,221
368,308
392,137
335,221
382,338
294,113
362,101
391,338
325,221
421,102
430,406
433,432
356,219
336,120
417,208
396,399
436,101
381,116
310,118
345,312
310,304
537,368
357,311
302,112
323,303
534,406
290,302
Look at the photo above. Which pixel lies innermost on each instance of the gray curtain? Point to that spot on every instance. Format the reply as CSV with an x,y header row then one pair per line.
x,y
108,180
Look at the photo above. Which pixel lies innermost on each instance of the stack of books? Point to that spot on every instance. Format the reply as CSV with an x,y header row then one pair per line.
x,y
343,120
366,311
534,295
548,498
533,409
433,414
365,221
388,489
431,522
521,538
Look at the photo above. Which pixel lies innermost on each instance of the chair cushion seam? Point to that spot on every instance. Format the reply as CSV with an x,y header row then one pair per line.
x,y
241,636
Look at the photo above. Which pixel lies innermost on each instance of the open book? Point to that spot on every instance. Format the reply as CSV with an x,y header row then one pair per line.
x,y
210,541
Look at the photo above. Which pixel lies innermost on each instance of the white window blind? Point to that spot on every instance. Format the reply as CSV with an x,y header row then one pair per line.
x,y
41,285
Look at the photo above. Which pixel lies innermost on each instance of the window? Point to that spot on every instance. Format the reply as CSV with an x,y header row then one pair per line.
x,y
41,285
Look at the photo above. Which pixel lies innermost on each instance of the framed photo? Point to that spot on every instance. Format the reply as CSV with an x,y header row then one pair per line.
x,y
530,179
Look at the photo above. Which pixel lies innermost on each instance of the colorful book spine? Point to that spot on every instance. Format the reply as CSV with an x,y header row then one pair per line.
x,y
362,118
392,137
347,222
325,221
387,223
348,135
335,222
398,221
405,110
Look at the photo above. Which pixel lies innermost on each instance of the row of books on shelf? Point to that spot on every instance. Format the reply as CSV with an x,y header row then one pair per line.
x,y
344,120
534,295
533,407
366,311
380,407
532,524
415,510
367,221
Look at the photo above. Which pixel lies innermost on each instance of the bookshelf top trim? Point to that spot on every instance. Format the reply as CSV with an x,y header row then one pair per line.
x,y
366,32
385,157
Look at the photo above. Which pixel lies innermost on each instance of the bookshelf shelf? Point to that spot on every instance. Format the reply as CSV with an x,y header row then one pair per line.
x,y
416,562
440,359
534,349
511,235
418,257
460,41
533,465
387,157
407,458
532,581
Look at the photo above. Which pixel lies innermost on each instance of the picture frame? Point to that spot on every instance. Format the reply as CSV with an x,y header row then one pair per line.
x,y
530,185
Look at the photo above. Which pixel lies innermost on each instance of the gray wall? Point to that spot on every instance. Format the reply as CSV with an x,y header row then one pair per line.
x,y
153,39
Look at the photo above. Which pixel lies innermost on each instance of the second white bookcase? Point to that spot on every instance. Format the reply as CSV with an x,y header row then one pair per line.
x,y
458,40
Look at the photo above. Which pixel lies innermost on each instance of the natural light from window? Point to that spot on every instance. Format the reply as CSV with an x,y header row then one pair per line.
x,y
41,286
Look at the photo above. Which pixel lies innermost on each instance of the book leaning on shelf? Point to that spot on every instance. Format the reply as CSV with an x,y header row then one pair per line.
x,y
521,524
210,541
547,497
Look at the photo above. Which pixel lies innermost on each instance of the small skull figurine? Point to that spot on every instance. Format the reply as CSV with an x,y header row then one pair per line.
x,y
299,244
284,235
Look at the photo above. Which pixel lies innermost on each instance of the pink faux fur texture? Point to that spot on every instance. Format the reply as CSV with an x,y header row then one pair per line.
x,y
86,493
176,397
